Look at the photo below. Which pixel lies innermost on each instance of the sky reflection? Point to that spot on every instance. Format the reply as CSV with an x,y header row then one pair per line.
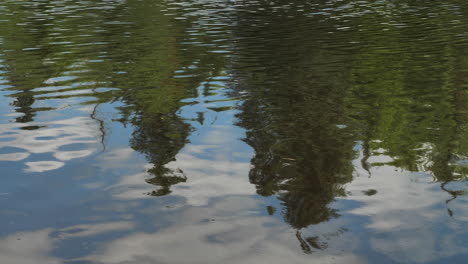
x,y
157,131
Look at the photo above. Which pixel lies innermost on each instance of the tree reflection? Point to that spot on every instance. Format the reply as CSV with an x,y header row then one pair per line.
x,y
160,137
312,95
24,67
295,116
149,59
412,108
121,51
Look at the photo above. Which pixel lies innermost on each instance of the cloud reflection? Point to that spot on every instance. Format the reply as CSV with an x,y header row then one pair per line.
x,y
50,137
28,247
211,171
227,232
406,215
37,246
42,166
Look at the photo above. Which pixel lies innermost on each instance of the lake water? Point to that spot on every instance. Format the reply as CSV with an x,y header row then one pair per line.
x,y
223,131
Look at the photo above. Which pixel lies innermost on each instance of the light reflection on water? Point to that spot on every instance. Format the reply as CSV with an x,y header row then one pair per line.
x,y
233,132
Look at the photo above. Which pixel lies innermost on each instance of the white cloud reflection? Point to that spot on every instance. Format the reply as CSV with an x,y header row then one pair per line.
x,y
28,247
42,166
211,169
37,246
227,232
50,137
409,221
14,156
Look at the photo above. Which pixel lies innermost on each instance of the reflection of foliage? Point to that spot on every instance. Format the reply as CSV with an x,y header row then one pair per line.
x,y
151,93
24,68
293,115
412,104
398,89
127,51
160,137
310,242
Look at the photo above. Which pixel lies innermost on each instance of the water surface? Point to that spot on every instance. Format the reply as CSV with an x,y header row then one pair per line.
x,y
215,131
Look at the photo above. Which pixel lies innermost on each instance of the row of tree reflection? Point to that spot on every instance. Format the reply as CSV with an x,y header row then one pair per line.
x,y
315,93
385,77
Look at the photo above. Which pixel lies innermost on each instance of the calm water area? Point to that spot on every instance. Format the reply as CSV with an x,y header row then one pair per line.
x,y
233,132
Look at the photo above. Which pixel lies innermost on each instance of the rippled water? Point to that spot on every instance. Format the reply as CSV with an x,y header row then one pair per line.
x,y
223,131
